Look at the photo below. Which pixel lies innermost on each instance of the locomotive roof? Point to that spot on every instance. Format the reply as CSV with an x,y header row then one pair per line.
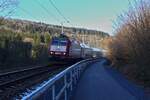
x,y
84,45
61,36
96,49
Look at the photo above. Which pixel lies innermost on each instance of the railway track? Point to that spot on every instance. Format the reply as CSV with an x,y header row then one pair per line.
x,y
22,79
11,77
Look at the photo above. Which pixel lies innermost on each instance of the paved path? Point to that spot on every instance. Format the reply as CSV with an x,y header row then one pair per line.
x,y
97,84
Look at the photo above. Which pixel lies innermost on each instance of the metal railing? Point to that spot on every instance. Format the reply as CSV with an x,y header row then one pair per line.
x,y
60,87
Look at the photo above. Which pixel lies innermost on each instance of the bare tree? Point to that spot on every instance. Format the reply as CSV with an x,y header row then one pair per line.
x,y
130,46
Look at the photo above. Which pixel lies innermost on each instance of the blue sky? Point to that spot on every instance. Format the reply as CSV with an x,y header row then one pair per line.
x,y
92,14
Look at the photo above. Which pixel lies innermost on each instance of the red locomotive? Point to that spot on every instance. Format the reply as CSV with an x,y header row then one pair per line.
x,y
59,46
63,47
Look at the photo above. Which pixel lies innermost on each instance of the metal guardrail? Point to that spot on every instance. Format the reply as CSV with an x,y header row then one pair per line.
x,y
60,86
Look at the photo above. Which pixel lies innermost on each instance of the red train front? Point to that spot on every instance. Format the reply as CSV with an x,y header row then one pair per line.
x,y
64,47
59,46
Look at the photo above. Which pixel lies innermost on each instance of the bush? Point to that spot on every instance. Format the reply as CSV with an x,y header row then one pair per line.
x,y
130,48
21,48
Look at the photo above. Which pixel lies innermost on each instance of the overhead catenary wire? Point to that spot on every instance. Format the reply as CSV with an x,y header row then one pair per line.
x,y
5,10
47,11
7,7
28,13
3,5
59,12
9,13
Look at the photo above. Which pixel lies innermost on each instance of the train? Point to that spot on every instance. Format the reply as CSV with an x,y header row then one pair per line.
x,y
63,47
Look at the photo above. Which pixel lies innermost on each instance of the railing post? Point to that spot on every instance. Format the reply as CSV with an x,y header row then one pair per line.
x,y
78,71
65,82
71,77
53,92
74,76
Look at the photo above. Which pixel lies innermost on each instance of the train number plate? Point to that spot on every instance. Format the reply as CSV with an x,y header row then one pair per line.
x,y
57,53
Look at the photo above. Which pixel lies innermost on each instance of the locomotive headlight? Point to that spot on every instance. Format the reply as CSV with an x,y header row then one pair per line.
x,y
51,52
64,53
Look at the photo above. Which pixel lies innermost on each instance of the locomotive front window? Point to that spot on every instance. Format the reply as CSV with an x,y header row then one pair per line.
x,y
55,42
59,42
63,43
59,45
